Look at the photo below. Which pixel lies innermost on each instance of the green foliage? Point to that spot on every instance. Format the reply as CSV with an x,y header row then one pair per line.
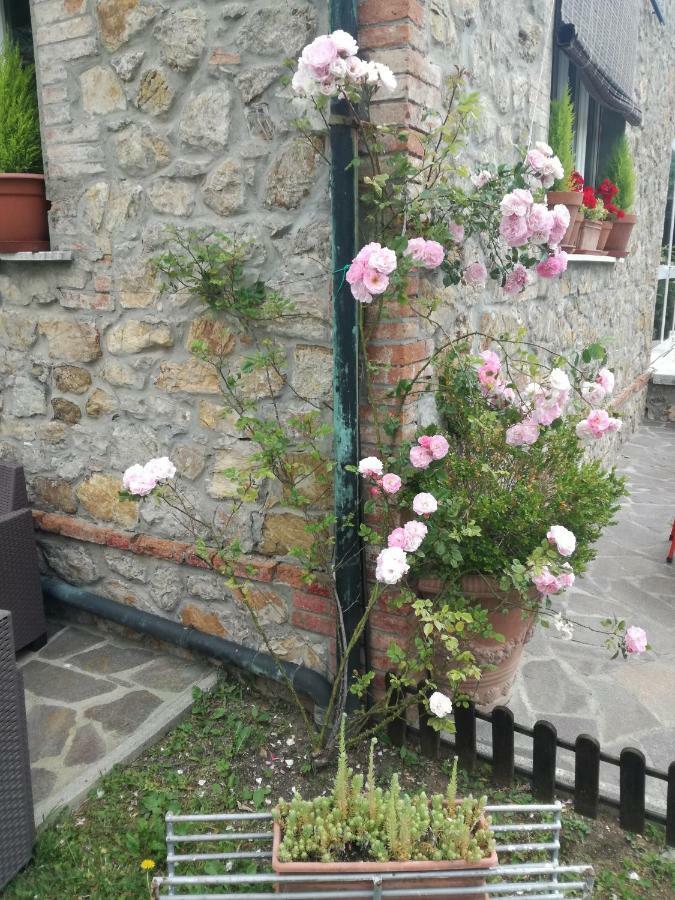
x,y
20,148
621,171
353,824
561,137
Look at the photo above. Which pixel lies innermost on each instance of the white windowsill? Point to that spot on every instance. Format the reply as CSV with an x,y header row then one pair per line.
x,y
38,256
591,258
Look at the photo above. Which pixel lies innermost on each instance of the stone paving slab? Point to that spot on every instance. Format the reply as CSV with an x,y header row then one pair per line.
x,y
94,700
575,685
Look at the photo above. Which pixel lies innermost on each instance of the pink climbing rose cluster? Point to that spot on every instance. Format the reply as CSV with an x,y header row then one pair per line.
x,y
330,64
142,480
525,221
370,270
427,449
546,580
428,254
544,165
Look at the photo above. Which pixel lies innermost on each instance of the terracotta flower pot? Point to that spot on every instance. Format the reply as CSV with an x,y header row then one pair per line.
x,y
499,661
572,200
373,868
23,213
604,234
589,235
619,236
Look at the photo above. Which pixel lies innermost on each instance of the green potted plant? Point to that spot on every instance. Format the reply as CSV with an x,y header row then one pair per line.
x,y
359,828
564,190
23,205
594,214
621,177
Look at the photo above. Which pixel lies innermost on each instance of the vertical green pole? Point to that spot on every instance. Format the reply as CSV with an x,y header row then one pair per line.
x,y
348,557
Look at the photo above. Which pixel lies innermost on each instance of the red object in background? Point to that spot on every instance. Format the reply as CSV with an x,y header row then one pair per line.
x,y
577,181
23,213
590,200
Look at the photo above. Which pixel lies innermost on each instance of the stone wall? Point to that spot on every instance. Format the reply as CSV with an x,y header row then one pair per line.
x,y
175,114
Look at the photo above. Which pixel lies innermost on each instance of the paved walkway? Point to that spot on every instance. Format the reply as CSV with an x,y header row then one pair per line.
x,y
578,687
94,700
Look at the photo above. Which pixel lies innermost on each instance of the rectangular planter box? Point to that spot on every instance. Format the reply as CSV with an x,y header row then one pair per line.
x,y
375,868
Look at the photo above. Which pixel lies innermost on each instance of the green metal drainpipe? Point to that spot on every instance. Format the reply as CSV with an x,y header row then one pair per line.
x,y
348,556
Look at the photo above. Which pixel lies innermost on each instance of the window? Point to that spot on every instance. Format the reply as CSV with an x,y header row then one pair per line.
x,y
596,127
15,23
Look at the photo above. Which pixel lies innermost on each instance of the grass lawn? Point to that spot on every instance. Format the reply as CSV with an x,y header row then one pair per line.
x,y
240,750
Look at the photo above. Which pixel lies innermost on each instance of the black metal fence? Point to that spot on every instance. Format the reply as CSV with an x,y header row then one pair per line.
x,y
631,764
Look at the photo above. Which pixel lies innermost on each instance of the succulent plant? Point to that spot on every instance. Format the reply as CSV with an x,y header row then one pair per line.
x,y
360,821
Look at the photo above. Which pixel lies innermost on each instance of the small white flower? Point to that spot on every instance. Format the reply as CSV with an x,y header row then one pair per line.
x,y
258,781
564,627
289,763
633,876
440,705
559,380
100,793
290,741
201,782
179,771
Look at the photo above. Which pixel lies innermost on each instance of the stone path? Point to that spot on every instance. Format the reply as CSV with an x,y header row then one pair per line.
x,y
578,687
94,700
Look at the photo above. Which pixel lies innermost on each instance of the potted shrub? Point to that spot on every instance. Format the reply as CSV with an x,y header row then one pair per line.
x,y
621,175
359,828
512,478
561,139
591,231
23,205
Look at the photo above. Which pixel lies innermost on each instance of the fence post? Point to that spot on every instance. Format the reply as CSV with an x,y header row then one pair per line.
x,y
586,775
632,790
502,746
670,807
430,739
397,728
544,754
465,737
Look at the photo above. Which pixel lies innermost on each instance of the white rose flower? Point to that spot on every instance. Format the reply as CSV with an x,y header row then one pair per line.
x,y
440,705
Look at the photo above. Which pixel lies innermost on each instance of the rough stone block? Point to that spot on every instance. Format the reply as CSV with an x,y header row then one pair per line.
x,y
292,174
101,91
155,93
191,377
182,35
205,121
136,335
99,494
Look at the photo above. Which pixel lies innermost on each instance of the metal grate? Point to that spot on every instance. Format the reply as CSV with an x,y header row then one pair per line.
x,y
528,846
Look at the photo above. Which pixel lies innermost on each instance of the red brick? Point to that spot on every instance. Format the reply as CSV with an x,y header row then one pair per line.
x,y
257,569
394,622
376,12
192,559
313,603
118,539
287,573
220,57
148,545
396,330
400,354
311,622
87,300
102,283
398,34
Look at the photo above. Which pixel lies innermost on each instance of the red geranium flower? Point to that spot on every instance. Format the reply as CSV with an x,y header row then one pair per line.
x,y
607,190
590,200
577,181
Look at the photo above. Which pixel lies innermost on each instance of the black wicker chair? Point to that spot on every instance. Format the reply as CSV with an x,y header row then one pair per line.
x,y
20,590
17,829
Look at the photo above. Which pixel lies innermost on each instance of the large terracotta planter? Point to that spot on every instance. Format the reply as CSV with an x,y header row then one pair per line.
x,y
604,234
619,236
572,200
499,661
589,235
373,868
23,213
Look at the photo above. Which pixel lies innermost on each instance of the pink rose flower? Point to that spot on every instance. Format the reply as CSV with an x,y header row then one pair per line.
x,y
540,223
375,282
391,566
371,467
552,265
596,424
605,378
420,457
415,249
546,582
560,223
566,577
434,254
397,538
491,361
564,540
344,43
516,280
355,271
318,55
138,480
382,260
413,534
480,179
536,160
515,230
361,293
424,504
391,483
438,446
635,639
546,413
424,441
539,145
476,273
517,203
523,434
161,468
457,231
593,392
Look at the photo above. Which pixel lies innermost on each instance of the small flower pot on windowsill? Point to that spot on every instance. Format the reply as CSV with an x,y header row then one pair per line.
x,y
572,200
604,234
369,868
619,236
589,235
23,213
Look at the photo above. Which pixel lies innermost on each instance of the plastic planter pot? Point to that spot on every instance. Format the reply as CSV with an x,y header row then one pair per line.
x,y
604,234
401,869
23,213
499,661
572,200
619,236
